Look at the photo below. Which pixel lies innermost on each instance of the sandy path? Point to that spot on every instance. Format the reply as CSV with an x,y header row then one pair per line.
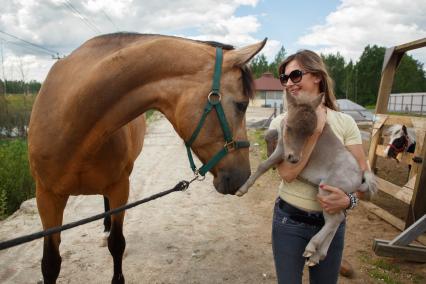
x,y
198,236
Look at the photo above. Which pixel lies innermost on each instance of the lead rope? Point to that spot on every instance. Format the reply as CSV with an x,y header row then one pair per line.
x,y
181,186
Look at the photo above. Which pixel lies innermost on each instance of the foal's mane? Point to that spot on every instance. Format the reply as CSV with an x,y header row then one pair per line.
x,y
246,74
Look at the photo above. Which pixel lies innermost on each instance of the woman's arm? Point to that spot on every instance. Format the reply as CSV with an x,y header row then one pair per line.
x,y
337,199
289,171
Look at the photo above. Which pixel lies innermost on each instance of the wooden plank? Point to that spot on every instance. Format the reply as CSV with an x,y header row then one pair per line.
x,y
399,119
394,190
411,45
417,207
411,233
388,217
411,183
386,81
385,215
410,253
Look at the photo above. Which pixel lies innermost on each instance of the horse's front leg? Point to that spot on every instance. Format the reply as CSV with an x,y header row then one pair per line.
x,y
51,209
275,158
117,196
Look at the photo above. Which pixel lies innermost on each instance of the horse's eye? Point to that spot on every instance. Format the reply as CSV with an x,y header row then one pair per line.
x,y
241,106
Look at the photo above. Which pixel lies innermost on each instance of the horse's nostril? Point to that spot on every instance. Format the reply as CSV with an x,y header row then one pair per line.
x,y
290,157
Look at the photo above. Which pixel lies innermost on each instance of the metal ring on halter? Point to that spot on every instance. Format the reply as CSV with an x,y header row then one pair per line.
x,y
197,176
201,178
216,94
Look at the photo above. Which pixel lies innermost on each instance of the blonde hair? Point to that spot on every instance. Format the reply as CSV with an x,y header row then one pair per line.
x,y
313,63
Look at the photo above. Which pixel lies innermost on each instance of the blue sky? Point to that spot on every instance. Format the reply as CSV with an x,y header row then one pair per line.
x,y
344,26
277,23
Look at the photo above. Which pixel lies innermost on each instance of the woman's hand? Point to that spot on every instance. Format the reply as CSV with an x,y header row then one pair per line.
x,y
321,112
335,201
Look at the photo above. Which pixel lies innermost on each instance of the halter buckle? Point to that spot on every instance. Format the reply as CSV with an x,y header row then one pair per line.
x,y
230,146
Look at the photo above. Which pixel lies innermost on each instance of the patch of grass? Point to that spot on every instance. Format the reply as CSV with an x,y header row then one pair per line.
x,y
149,114
370,106
257,139
16,182
18,103
383,270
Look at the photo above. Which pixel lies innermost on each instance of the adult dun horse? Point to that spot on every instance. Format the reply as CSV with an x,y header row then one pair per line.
x,y
87,127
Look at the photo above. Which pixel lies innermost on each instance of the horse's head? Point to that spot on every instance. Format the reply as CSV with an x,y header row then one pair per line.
x,y
301,124
398,141
198,117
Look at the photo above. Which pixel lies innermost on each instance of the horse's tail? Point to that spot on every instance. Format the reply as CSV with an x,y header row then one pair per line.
x,y
369,184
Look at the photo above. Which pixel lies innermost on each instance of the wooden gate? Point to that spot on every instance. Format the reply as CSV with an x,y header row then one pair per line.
x,y
414,192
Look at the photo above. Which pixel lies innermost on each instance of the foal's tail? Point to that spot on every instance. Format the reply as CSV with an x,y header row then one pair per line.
x,y
369,184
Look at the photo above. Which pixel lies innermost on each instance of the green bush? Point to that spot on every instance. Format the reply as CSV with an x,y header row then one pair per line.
x,y
16,183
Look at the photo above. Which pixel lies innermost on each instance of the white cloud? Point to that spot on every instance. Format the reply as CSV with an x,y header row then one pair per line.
x,y
357,23
63,25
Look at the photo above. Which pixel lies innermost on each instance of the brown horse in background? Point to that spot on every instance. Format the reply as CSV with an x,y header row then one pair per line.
x,y
87,127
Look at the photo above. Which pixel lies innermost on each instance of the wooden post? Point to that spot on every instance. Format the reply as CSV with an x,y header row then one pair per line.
x,y
390,64
417,208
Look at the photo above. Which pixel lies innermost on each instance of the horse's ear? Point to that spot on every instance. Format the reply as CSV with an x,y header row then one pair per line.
x,y
240,56
404,129
317,101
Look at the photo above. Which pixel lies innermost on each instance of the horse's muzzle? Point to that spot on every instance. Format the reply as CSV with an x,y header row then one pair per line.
x,y
229,181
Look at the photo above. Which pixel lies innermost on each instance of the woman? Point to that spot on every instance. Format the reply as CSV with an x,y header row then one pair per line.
x,y
297,210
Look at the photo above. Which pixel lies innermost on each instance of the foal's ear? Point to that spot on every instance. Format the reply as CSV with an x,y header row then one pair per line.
x,y
404,129
240,56
317,101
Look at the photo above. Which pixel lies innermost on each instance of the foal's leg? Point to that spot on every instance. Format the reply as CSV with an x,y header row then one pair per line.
x,y
117,196
323,238
317,247
275,158
51,208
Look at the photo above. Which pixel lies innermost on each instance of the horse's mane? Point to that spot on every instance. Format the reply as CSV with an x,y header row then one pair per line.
x,y
247,77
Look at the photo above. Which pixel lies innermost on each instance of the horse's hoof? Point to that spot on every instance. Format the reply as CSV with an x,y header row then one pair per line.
x,y
310,263
307,254
239,193
118,279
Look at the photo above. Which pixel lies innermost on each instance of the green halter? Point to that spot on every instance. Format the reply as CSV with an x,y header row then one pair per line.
x,y
230,144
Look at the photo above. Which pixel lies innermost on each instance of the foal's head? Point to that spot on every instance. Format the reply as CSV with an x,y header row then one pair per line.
x,y
301,124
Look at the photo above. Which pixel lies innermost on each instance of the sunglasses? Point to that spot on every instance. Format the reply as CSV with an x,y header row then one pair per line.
x,y
295,76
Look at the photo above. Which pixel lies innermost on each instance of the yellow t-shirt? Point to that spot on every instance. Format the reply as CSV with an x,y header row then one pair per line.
x,y
303,195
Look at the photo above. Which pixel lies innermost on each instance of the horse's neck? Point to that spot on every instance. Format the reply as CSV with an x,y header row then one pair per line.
x,y
121,86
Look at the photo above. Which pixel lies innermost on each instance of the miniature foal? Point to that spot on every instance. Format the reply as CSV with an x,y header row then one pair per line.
x,y
330,163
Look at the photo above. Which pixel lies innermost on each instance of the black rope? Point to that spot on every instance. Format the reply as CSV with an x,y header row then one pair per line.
x,y
181,186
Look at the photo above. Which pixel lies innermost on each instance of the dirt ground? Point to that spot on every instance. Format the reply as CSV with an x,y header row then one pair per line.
x,y
198,236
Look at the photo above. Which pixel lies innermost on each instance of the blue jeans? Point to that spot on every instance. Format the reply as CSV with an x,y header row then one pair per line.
x,y
289,239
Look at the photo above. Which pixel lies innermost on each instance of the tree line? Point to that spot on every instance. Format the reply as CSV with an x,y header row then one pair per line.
x,y
358,81
19,87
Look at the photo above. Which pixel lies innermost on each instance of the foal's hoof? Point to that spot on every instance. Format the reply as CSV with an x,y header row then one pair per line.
x,y
313,259
310,263
307,254
240,192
